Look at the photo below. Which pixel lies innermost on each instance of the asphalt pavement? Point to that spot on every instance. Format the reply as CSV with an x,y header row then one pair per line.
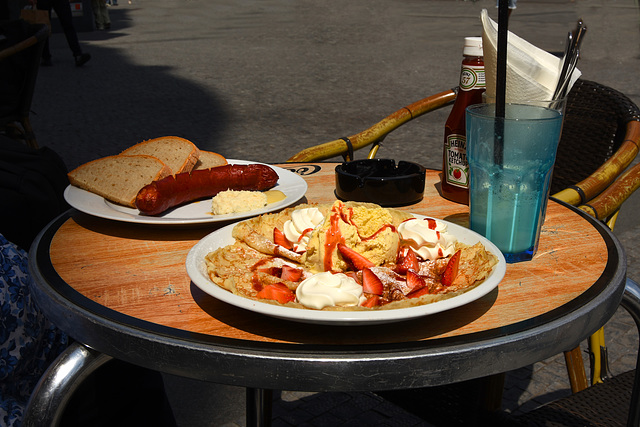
x,y
261,80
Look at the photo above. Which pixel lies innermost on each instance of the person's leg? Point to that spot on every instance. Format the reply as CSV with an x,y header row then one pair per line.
x,y
512,6
105,14
63,10
97,14
46,53
101,14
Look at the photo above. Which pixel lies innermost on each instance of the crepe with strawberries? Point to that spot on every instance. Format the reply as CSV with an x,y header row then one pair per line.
x,y
346,256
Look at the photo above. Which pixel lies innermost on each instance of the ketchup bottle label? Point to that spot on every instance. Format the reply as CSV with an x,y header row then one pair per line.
x,y
472,77
457,168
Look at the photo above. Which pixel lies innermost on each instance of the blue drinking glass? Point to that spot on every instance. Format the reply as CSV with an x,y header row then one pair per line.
x,y
510,162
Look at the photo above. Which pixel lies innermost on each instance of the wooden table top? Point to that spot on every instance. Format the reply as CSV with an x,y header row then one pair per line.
x,y
139,271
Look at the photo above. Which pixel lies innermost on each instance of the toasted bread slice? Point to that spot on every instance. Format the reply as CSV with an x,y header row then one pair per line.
x,y
209,159
118,178
179,154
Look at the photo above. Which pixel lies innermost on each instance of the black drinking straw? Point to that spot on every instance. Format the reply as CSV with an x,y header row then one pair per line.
x,y
501,79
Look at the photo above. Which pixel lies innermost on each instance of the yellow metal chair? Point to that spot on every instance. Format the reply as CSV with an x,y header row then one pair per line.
x,y
600,139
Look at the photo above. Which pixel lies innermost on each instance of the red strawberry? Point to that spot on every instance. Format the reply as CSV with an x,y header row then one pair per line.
x,y
408,261
451,270
278,292
358,261
272,271
372,301
353,275
291,274
414,281
280,239
370,283
419,292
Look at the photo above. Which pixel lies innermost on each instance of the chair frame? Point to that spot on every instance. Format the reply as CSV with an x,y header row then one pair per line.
x,y
601,195
375,134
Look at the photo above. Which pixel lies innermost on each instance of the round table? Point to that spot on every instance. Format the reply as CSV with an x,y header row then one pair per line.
x,y
122,290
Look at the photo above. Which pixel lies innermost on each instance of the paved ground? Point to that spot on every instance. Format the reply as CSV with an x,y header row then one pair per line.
x,y
260,80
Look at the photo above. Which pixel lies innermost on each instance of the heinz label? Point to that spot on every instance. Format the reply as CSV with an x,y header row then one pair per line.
x,y
457,168
472,77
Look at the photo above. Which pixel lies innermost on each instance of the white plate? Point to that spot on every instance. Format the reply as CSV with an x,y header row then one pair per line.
x,y
292,185
197,272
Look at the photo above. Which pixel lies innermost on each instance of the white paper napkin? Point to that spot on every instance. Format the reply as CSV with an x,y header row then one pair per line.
x,y
532,73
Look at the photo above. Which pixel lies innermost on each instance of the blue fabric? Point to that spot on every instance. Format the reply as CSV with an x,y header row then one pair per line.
x,y
28,341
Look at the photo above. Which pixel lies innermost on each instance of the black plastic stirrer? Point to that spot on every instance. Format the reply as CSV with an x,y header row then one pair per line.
x,y
501,80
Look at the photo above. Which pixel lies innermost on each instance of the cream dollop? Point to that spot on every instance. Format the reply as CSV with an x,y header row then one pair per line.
x,y
428,238
298,229
327,289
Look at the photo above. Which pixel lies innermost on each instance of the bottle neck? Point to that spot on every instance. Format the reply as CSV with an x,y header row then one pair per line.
x,y
478,59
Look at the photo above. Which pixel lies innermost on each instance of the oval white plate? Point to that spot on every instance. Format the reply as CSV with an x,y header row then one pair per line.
x,y
196,269
292,185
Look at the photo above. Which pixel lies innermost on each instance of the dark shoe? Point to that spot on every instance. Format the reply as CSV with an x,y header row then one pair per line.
x,y
82,59
46,62
107,26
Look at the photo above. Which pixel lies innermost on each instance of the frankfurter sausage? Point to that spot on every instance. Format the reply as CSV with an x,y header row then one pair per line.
x,y
182,188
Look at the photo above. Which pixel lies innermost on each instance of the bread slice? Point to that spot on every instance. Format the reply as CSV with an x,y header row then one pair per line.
x,y
118,178
178,153
209,159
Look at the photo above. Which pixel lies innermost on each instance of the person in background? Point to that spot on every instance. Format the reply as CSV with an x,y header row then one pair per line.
x,y
512,5
101,14
63,11
28,341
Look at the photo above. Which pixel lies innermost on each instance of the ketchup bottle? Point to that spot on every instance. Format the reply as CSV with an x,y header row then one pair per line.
x,y
455,169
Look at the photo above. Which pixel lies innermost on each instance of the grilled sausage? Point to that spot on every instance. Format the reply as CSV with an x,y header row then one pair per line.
x,y
182,188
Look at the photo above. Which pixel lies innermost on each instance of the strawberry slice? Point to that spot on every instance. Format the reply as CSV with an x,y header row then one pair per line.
x,y
407,261
291,274
414,281
272,271
419,292
451,270
353,275
278,292
371,283
358,261
371,301
280,239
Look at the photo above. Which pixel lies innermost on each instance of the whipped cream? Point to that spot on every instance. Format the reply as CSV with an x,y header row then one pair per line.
x,y
299,228
327,289
428,238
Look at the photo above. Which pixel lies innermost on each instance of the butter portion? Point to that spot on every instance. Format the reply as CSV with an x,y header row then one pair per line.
x,y
231,201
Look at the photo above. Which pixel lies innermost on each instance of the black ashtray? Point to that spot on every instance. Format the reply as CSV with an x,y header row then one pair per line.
x,y
380,181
